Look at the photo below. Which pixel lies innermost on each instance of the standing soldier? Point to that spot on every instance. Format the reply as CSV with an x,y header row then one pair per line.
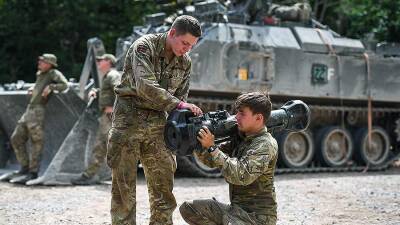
x,y
155,80
111,78
247,162
48,79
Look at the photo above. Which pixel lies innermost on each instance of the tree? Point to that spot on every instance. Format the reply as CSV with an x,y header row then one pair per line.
x,y
381,18
356,18
30,28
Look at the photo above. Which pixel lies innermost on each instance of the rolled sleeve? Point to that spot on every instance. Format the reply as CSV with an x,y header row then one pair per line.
x,y
60,82
107,94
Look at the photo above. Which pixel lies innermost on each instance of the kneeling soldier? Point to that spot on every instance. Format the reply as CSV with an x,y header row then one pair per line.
x,y
247,162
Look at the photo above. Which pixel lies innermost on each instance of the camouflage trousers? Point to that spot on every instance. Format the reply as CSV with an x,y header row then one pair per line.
x,y
100,147
212,212
159,166
29,126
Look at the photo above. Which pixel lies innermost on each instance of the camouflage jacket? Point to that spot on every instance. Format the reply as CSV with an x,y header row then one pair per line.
x,y
248,165
56,81
150,85
107,95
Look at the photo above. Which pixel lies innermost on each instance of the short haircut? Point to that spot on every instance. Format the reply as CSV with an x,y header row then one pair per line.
x,y
187,24
258,103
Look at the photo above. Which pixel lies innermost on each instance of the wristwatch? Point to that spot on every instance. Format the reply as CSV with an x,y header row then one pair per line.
x,y
212,148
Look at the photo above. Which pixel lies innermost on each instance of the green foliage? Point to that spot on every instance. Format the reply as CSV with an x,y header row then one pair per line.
x,y
30,28
382,18
356,18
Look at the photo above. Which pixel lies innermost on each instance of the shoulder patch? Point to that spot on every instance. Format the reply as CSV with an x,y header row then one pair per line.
x,y
142,50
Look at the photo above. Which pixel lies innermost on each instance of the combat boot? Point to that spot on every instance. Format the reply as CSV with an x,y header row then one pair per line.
x,y
24,178
8,176
84,179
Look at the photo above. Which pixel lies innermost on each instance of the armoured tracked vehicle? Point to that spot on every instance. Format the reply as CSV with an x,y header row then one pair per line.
x,y
353,92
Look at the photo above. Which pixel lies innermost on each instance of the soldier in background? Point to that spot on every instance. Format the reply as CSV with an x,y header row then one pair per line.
x,y
111,78
299,12
48,79
155,80
247,162
262,11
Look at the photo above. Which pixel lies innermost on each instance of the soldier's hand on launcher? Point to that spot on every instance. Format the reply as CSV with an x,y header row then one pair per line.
x,y
192,107
205,137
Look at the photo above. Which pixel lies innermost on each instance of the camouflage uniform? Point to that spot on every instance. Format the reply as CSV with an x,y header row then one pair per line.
x,y
106,99
248,165
31,123
138,126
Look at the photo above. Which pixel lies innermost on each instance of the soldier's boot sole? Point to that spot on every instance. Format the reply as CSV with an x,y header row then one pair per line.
x,y
23,179
9,176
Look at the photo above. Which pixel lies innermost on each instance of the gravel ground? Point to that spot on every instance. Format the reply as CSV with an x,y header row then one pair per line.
x,y
326,198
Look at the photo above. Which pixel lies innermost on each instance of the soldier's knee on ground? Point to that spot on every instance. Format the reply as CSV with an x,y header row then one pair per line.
x,y
186,209
191,216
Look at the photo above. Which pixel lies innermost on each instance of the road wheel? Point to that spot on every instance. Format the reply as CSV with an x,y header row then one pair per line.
x,y
296,149
378,153
335,146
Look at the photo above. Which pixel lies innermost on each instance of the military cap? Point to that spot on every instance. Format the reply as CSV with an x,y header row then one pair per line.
x,y
109,57
49,58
